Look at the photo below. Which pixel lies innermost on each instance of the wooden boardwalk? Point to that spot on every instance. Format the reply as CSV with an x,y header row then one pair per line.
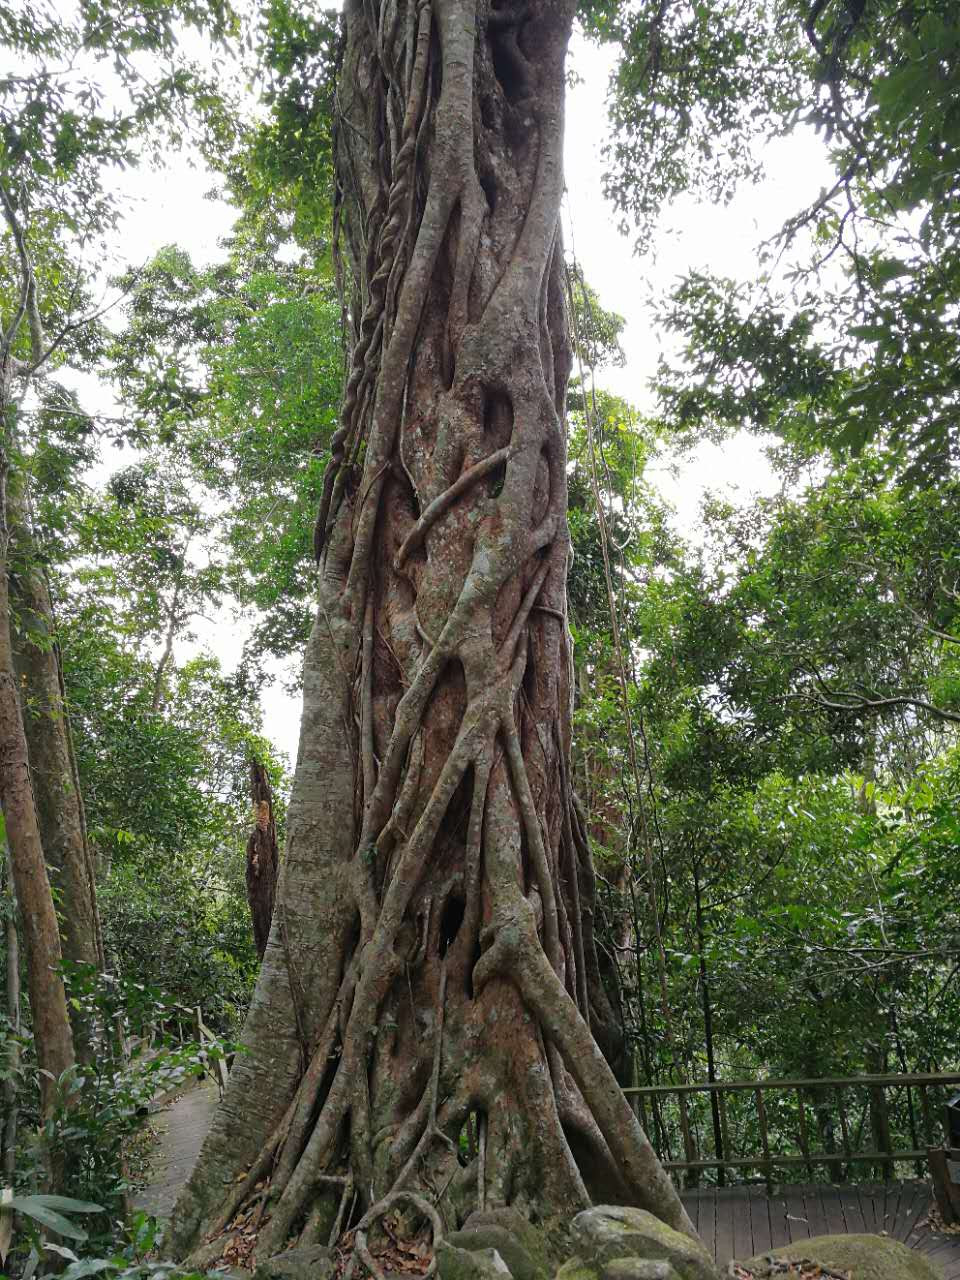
x,y
741,1222
181,1127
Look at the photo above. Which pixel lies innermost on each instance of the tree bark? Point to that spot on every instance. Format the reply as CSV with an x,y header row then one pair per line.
x,y
52,1034
41,937
263,858
430,972
11,1100
53,771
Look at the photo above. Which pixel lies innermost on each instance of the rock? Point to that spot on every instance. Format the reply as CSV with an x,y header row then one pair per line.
x,y
638,1269
520,1228
864,1257
454,1263
618,1269
608,1233
577,1269
508,1246
312,1262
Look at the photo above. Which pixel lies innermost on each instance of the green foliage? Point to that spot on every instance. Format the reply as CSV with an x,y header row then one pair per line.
x,y
284,177
168,811
235,371
791,684
102,1105
857,346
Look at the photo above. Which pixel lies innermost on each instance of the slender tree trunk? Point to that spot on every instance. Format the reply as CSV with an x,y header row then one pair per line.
x,y
430,972
708,1022
41,937
11,1108
263,857
52,766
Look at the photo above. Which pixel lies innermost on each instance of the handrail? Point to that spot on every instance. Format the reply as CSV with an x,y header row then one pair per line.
x,y
826,1082
780,1135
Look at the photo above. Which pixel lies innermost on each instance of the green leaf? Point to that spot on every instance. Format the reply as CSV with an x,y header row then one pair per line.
x,y
46,1217
66,1204
89,1267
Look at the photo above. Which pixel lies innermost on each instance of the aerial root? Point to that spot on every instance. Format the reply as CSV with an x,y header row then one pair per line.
x,y
305,1100
378,1210
515,952
432,513
431,1129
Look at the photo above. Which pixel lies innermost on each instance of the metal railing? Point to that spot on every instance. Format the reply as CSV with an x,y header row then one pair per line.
x,y
764,1125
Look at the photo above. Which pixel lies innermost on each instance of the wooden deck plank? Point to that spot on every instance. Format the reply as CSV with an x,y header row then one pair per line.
x,y
798,1227
742,1231
891,1216
742,1222
760,1227
912,1194
691,1202
852,1211
779,1233
816,1217
833,1210
708,1219
181,1128
724,1242
873,1220
918,1211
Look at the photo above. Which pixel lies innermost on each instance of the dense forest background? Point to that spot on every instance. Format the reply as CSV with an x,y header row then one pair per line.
x,y
766,710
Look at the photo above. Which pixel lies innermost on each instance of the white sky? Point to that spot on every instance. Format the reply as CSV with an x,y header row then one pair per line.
x,y
171,206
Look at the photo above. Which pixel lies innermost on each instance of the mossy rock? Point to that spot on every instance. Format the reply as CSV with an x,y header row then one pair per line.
x,y
862,1257
607,1233
618,1269
577,1269
638,1269
511,1250
454,1263
535,1240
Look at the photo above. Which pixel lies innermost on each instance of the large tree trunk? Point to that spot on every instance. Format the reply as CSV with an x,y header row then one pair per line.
x,y
423,1016
52,766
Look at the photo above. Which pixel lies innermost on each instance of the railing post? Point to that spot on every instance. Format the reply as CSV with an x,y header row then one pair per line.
x,y
657,1110
688,1148
914,1137
725,1133
804,1133
845,1131
764,1140
925,1112
641,1113
880,1125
